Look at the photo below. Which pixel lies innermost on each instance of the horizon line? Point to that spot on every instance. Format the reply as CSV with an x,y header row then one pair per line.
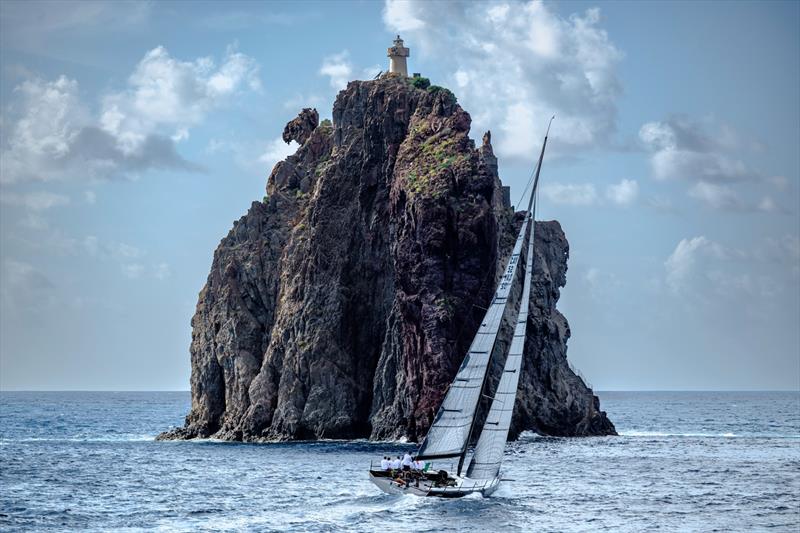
x,y
593,390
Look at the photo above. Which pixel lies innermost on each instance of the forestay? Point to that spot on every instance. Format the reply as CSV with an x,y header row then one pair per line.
x,y
488,456
451,427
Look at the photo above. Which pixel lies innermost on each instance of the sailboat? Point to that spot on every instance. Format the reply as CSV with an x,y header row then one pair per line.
x,y
455,423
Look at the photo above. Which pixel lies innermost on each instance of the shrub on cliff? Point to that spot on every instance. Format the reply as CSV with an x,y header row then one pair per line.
x,y
420,83
433,89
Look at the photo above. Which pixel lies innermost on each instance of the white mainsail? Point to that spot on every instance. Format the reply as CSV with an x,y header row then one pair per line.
x,y
450,432
488,456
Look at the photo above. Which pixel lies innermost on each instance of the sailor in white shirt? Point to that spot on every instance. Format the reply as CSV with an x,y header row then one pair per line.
x,y
384,464
396,463
407,461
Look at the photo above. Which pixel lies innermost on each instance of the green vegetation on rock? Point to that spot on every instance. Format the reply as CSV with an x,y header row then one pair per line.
x,y
433,89
420,83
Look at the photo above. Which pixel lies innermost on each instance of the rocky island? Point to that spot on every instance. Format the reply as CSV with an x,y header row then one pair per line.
x,y
342,304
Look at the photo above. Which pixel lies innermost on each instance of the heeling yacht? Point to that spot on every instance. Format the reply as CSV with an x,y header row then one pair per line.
x,y
450,434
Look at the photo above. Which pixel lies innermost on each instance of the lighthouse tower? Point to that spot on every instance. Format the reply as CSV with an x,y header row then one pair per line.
x,y
397,57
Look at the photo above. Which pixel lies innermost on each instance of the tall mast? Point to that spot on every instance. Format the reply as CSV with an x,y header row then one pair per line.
x,y
523,232
539,165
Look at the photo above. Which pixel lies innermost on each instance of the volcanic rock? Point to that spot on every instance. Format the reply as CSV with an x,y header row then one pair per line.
x,y
342,305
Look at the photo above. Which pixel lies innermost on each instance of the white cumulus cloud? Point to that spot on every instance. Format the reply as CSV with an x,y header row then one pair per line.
x,y
681,149
277,150
51,134
515,64
619,194
570,194
338,68
401,15
680,263
623,193
708,156
169,95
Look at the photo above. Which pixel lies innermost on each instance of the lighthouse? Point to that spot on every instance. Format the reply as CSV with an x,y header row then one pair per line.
x,y
397,57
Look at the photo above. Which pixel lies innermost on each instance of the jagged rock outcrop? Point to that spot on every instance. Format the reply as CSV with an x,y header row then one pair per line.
x,y
342,305
300,128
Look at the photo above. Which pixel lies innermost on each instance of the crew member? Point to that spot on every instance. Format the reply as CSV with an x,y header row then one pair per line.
x,y
407,462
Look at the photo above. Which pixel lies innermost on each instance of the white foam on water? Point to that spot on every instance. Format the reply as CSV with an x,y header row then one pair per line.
x,y
635,433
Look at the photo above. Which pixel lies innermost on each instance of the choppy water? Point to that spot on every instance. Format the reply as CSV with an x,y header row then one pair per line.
x,y
684,462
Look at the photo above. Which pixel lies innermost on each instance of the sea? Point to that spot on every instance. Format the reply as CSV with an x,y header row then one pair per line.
x,y
684,461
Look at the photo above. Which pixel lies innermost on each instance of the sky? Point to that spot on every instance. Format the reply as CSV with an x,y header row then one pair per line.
x,y
134,133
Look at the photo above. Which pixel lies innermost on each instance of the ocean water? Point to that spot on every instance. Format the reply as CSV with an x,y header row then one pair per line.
x,y
684,462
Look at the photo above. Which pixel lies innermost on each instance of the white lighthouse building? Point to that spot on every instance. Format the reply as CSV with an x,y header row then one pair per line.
x,y
397,57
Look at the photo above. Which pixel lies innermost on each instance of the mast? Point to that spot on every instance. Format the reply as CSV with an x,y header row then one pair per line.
x,y
489,449
539,166
448,436
452,428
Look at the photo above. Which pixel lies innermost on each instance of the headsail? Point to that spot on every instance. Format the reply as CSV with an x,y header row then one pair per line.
x,y
451,430
449,434
488,456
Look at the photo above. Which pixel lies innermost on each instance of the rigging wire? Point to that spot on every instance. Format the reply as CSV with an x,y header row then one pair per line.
x,y
492,272
530,181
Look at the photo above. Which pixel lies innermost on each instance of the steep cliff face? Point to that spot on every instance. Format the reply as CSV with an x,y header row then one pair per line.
x,y
342,305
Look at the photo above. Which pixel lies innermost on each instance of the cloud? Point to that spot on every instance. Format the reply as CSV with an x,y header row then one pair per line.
x,y
517,64
681,262
400,15
716,195
707,155
682,149
277,150
34,201
167,94
724,197
53,135
620,194
568,194
338,68
600,283
701,266
623,193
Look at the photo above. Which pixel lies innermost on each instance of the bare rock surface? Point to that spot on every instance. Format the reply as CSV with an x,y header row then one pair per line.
x,y
299,129
342,305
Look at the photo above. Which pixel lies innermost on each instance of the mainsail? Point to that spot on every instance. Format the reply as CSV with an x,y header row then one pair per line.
x,y
488,454
449,434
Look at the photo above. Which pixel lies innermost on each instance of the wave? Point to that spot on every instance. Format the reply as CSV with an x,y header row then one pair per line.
x,y
118,438
636,433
